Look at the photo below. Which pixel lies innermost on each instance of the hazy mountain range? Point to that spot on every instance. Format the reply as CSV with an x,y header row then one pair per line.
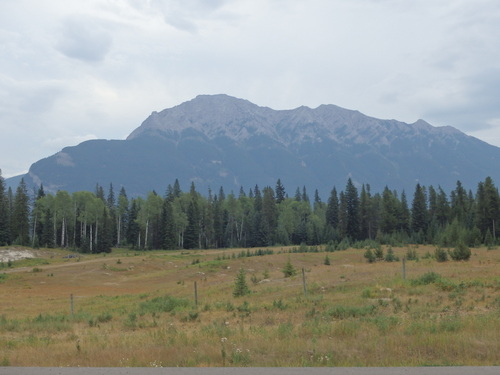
x,y
218,140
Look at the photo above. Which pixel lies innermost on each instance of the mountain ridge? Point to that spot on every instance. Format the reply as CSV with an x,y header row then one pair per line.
x,y
219,140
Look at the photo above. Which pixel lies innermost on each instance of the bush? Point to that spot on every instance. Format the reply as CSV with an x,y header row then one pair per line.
x,y
427,278
461,252
370,257
440,254
163,304
379,253
326,262
411,254
391,257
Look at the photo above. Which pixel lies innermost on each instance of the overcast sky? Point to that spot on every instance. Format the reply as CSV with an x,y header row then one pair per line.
x,y
73,70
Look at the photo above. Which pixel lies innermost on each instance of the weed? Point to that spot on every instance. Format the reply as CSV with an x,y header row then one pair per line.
x,y
279,305
344,312
426,278
192,316
163,304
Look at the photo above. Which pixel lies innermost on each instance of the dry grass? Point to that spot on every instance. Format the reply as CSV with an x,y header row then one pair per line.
x,y
355,313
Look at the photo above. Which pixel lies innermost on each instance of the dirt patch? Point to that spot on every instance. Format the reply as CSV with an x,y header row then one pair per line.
x,y
16,254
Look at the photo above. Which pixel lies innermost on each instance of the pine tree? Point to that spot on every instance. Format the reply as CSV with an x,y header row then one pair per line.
x,y
240,285
133,229
352,214
4,214
20,215
105,239
289,270
280,192
191,236
332,210
488,207
419,211
168,232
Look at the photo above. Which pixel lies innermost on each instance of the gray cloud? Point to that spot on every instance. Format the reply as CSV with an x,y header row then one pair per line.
x,y
84,38
387,58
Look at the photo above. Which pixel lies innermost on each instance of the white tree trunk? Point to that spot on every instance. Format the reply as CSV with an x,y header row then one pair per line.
x,y
90,242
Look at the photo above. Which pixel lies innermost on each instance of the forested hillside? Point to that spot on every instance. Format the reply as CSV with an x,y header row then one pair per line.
x,y
258,217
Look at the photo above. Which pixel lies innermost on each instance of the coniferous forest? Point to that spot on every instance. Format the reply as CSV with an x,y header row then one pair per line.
x,y
92,222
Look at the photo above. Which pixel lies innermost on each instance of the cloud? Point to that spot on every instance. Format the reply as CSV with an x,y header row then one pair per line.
x,y
84,38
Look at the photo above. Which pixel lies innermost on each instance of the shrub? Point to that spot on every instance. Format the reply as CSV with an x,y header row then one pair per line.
x,y
427,278
370,257
163,304
461,252
391,257
440,254
326,262
411,254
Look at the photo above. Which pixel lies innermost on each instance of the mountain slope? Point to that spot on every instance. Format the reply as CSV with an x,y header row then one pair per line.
x,y
218,140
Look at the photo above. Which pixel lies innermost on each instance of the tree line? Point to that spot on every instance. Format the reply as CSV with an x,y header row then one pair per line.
x,y
96,221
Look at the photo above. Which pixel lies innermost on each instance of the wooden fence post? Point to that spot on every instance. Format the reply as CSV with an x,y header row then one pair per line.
x,y
195,294
304,282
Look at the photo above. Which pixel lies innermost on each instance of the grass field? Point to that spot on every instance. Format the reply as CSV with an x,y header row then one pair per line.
x,y
138,309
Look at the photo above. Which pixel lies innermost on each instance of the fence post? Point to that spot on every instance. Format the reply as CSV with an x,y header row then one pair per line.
x,y
72,305
304,282
404,268
195,294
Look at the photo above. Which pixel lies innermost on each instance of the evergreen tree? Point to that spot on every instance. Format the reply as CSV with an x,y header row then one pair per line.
x,y
99,193
459,203
191,237
352,213
240,285
442,208
366,213
168,225
280,192
133,229
4,214
121,216
305,196
332,210
177,189
105,239
318,205
269,217
389,221
419,211
404,215
47,236
20,215
487,207
289,270
298,195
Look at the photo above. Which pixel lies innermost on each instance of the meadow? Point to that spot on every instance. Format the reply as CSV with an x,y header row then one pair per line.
x,y
177,308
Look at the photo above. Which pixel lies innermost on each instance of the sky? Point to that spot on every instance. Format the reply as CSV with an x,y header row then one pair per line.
x,y
73,70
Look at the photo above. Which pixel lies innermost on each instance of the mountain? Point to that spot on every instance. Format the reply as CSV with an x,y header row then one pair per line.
x,y
218,140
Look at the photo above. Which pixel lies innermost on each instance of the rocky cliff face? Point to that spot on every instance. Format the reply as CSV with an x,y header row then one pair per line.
x,y
218,140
